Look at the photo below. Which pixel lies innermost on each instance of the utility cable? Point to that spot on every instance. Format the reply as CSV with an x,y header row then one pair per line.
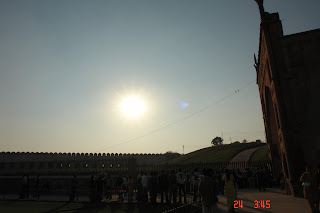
x,y
178,121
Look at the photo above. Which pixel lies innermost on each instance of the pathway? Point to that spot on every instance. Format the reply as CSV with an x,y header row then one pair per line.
x,y
245,155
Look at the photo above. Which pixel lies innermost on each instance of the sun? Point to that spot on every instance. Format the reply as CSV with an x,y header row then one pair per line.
x,y
133,106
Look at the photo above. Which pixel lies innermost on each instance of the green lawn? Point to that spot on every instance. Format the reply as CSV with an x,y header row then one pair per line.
x,y
260,155
214,154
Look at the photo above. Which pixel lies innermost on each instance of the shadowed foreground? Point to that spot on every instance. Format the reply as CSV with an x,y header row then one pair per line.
x,y
280,202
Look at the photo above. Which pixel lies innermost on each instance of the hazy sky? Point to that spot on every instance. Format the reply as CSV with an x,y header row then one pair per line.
x,y
66,65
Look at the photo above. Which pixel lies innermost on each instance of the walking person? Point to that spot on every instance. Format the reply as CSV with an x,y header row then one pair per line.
x,y
230,189
181,179
310,189
209,190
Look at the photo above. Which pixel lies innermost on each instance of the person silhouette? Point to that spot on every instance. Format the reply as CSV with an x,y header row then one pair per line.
x,y
310,189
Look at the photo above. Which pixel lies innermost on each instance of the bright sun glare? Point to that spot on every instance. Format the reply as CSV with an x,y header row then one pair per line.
x,y
133,106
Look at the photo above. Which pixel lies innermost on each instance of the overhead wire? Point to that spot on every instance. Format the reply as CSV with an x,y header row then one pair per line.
x,y
178,121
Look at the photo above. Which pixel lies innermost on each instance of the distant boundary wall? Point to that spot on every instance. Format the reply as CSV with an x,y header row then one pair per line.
x,y
41,160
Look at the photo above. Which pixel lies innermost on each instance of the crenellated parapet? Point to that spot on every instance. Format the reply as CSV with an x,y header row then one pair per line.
x,y
45,160
51,155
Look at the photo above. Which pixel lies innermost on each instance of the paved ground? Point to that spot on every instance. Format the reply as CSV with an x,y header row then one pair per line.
x,y
245,155
279,203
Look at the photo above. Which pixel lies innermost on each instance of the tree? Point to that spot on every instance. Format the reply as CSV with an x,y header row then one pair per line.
x,y
217,141
244,141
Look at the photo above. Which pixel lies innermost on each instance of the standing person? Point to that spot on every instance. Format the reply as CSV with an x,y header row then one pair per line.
x,y
220,182
119,181
164,186
267,176
23,187
251,178
100,183
208,190
124,186
130,189
93,188
154,186
139,188
37,194
239,177
108,187
181,179
310,189
230,188
188,182
196,181
318,182
282,181
172,187
144,184
28,187
74,186
260,180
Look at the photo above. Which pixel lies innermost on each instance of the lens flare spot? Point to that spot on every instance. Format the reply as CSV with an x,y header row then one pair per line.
x,y
184,105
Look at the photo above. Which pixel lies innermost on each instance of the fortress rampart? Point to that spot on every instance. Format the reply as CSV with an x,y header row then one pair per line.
x,y
36,160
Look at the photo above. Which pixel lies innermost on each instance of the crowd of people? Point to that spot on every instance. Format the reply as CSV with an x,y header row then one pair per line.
x,y
173,187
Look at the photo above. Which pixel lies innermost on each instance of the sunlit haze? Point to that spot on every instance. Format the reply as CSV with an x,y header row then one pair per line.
x,y
133,76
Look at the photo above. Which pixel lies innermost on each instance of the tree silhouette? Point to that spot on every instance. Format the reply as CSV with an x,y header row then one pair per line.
x,y
217,141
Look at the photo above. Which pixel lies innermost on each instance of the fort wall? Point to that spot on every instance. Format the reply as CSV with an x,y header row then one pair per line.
x,y
41,160
287,76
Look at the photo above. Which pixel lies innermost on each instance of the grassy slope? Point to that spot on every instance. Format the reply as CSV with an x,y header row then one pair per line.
x,y
214,154
260,155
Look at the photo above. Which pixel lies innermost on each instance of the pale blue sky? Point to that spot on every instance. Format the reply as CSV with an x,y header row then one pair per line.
x,y
65,66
